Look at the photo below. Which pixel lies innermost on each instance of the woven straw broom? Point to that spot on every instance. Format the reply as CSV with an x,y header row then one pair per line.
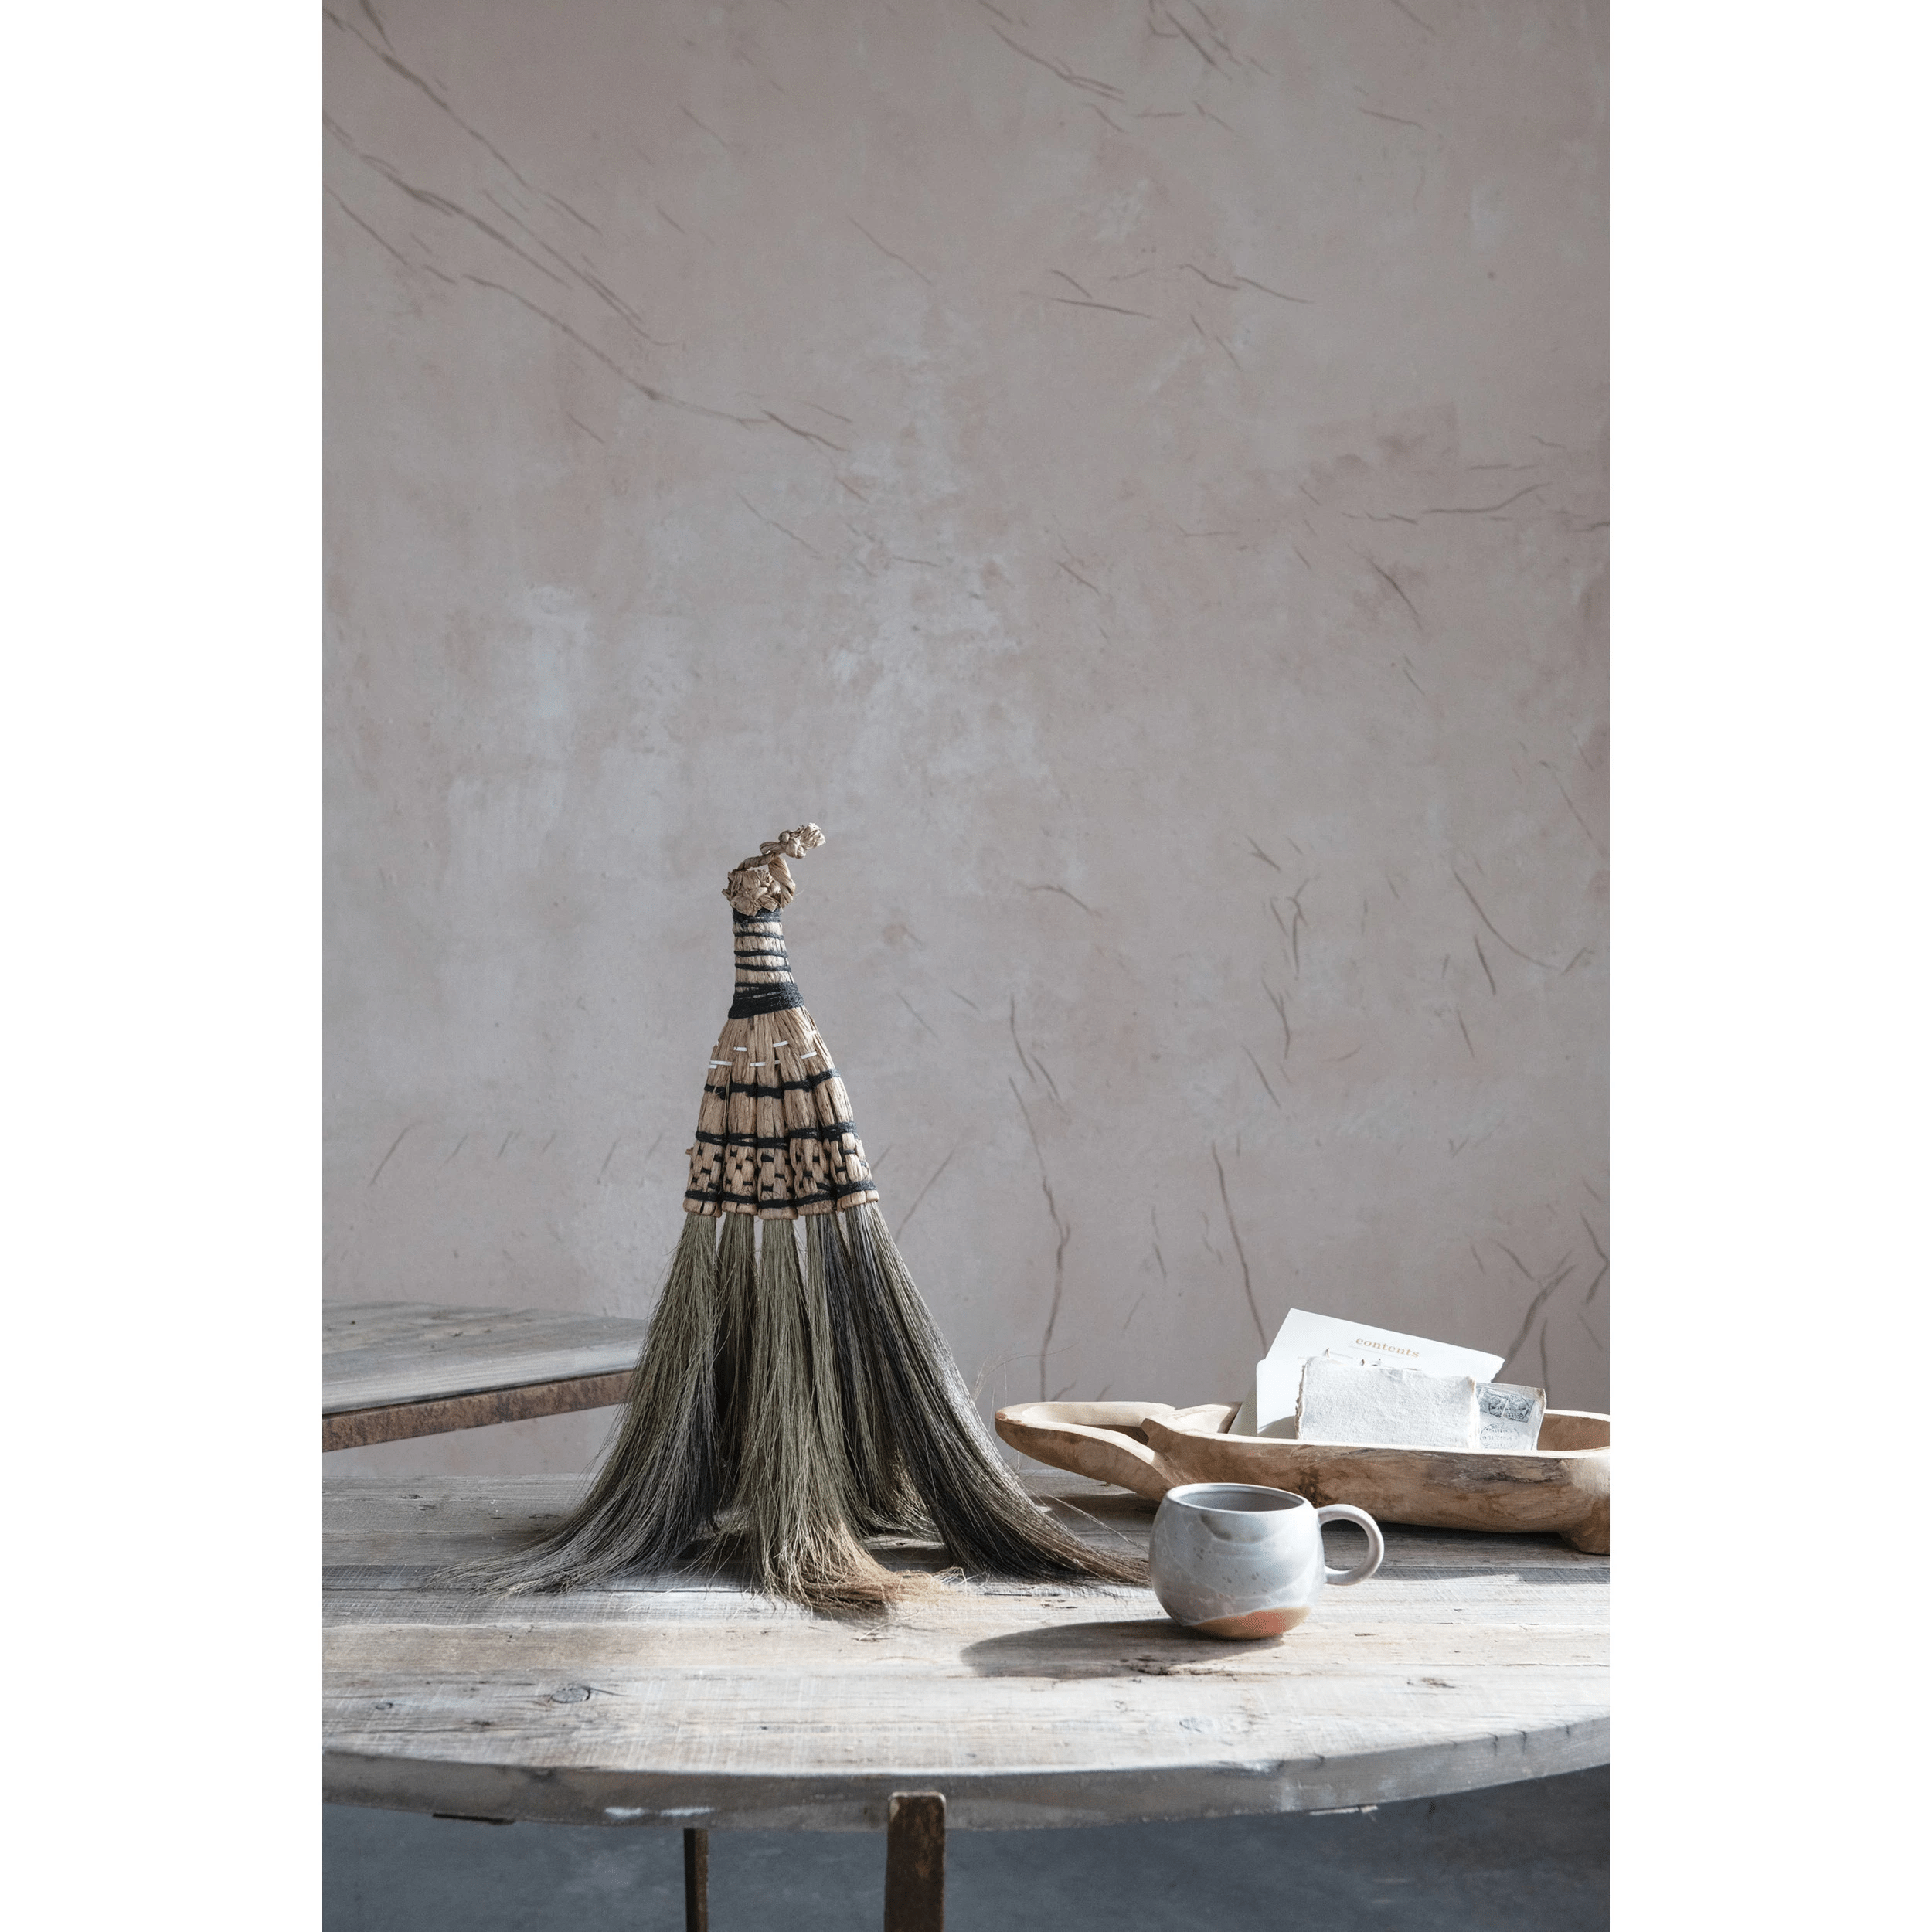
x,y
782,1412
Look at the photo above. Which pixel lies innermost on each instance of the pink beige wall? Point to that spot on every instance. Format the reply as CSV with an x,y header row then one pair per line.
x,y
1135,474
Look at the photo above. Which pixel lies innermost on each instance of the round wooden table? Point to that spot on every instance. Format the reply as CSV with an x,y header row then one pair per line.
x,y
1469,1660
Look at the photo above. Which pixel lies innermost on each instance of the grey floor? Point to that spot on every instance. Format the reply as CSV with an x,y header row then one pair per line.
x,y
1518,1856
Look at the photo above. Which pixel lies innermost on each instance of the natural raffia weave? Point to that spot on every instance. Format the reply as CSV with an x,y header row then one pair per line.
x,y
775,1134
781,1414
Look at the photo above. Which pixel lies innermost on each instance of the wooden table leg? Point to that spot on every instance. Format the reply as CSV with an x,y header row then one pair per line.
x,y
916,1861
697,1875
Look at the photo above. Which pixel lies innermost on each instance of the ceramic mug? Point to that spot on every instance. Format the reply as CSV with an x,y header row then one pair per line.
x,y
1235,1560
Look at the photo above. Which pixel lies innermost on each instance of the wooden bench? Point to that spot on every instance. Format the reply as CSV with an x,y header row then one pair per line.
x,y
395,1369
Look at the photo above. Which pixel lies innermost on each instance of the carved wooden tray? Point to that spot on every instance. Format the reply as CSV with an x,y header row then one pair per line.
x,y
1562,1486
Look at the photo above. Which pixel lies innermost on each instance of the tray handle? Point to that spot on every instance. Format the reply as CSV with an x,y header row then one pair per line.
x,y
1107,1440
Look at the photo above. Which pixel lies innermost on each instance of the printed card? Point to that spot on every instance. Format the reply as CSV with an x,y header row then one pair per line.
x,y
1272,1408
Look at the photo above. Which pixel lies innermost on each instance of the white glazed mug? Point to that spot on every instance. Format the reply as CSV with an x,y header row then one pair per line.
x,y
1235,1560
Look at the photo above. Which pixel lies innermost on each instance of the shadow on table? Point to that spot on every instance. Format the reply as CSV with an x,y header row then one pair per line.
x,y
1139,1647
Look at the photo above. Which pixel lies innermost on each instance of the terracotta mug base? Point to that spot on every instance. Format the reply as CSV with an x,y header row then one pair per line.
x,y
1256,1622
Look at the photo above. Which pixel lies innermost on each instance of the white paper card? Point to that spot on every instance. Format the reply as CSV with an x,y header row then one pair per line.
x,y
1277,1379
1303,1335
1278,1395
1360,1402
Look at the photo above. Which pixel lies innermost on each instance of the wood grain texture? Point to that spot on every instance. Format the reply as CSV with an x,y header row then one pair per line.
x,y
357,1428
684,1699
916,1861
1562,1486
384,1354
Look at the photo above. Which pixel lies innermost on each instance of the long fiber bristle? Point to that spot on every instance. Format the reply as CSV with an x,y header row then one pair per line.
x,y
777,1418
988,1522
883,1500
790,1510
662,1484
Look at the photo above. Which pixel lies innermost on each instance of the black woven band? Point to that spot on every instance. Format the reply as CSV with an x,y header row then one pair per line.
x,y
773,998
750,998
837,1195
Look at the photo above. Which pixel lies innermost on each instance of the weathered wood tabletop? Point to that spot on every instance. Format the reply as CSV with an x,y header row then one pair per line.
x,y
394,1370
1469,1660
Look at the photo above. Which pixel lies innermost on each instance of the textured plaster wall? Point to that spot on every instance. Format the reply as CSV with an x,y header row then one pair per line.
x,y
1135,474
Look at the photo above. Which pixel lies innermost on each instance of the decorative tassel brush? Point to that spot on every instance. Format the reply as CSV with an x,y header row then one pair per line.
x,y
781,1414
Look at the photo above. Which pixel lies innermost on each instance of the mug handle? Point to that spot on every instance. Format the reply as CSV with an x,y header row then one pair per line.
x,y
1347,1512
